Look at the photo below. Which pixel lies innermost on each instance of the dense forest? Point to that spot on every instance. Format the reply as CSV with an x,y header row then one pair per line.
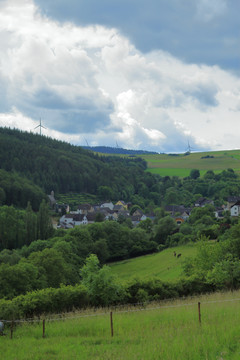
x,y
59,166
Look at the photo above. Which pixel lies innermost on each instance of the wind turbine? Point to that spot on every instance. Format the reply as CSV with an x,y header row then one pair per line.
x,y
86,142
40,126
189,148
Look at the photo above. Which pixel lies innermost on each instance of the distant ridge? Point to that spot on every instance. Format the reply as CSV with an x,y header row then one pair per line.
x,y
117,150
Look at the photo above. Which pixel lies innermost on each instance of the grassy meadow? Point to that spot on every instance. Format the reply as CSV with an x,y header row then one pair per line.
x,y
181,165
163,265
166,331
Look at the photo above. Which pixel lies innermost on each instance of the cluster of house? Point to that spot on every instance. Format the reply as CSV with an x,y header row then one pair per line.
x,y
233,206
87,214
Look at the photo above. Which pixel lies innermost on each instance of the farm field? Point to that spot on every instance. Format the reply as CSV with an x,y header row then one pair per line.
x,y
164,331
181,165
163,265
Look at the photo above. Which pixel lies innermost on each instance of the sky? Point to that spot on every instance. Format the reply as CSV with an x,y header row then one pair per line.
x,y
152,75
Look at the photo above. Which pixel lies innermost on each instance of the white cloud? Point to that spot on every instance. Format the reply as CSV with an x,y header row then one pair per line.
x,y
91,82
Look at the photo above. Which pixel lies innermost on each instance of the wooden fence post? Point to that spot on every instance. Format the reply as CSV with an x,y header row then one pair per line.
x,y
11,333
111,322
43,335
199,312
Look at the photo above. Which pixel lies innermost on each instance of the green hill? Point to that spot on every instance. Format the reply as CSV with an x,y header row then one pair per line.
x,y
163,265
181,164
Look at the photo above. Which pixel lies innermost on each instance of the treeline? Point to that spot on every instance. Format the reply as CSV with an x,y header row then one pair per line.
x,y
118,150
176,191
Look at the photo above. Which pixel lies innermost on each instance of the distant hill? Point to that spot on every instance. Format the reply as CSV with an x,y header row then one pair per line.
x,y
112,150
181,164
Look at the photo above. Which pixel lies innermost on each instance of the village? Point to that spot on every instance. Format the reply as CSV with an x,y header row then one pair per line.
x,y
87,213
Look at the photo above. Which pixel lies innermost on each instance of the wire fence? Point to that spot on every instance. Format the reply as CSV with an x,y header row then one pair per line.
x,y
129,309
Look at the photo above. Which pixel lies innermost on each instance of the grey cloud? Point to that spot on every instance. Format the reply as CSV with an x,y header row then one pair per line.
x,y
205,94
49,99
174,26
89,121
69,120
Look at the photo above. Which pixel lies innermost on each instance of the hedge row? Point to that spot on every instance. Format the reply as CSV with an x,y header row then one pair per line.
x,y
44,301
67,298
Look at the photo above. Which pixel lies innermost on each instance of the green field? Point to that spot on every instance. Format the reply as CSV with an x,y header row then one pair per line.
x,y
163,265
160,331
181,165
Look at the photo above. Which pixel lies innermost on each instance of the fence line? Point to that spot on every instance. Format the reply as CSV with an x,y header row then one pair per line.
x,y
120,312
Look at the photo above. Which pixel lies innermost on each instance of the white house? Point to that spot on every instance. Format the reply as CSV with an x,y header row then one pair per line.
x,y
108,205
235,209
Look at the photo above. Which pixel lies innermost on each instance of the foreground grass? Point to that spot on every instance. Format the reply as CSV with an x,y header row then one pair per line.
x,y
170,332
162,265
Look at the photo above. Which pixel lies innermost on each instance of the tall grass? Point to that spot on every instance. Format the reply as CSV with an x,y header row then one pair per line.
x,y
170,332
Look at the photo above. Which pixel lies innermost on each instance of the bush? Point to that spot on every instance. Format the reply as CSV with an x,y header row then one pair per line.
x,y
50,300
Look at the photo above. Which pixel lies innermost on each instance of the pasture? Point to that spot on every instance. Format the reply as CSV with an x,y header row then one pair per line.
x,y
163,265
167,330
181,165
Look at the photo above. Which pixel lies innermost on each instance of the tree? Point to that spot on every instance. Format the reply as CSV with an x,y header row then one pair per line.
x,y
45,228
165,227
194,174
105,193
53,265
99,217
100,248
18,279
30,225
102,286
147,225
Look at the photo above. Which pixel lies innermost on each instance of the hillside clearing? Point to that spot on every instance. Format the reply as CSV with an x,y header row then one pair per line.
x,y
163,265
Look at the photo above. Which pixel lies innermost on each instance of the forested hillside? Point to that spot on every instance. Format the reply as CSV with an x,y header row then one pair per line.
x,y
54,165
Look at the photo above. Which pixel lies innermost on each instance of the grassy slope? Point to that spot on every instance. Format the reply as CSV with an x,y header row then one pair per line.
x,y
163,265
171,332
181,165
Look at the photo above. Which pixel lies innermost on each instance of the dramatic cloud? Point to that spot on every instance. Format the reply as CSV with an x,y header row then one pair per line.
x,y
202,31
91,82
